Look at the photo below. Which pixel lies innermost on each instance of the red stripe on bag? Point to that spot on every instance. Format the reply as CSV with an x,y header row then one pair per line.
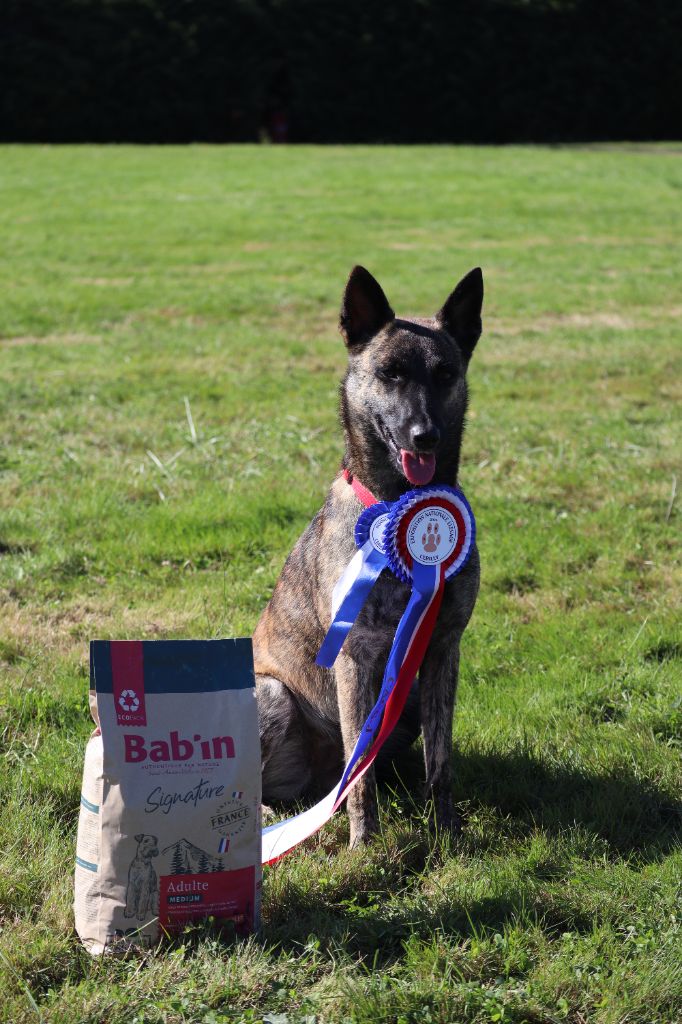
x,y
127,671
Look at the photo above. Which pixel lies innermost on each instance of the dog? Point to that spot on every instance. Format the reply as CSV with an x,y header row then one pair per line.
x,y
142,894
403,406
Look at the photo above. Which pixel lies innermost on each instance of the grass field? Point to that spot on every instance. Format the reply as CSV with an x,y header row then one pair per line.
x,y
169,365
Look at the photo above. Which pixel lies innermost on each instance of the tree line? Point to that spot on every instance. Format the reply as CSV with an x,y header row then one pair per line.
x,y
340,70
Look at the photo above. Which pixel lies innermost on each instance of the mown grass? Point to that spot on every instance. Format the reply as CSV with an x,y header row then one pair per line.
x,y
142,287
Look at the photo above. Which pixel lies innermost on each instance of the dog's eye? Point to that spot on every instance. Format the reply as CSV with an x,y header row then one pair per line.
x,y
392,372
444,376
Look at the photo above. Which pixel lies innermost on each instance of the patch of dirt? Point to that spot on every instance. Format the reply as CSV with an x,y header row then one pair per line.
x,y
106,282
545,241
550,321
621,323
640,318
531,605
67,628
52,339
619,147
202,269
519,242
169,313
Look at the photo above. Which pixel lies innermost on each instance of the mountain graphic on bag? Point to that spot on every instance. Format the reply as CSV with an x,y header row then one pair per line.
x,y
170,818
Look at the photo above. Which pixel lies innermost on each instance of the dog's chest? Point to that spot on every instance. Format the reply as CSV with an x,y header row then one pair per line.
x,y
374,629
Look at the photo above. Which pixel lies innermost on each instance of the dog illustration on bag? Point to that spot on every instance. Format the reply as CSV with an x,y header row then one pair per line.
x,y
142,894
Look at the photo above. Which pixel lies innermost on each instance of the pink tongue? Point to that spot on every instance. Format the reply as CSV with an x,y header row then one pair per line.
x,y
418,468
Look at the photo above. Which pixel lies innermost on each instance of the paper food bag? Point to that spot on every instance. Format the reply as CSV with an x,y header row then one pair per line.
x,y
170,817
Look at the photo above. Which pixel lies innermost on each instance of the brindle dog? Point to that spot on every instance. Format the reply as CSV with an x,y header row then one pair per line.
x,y
403,403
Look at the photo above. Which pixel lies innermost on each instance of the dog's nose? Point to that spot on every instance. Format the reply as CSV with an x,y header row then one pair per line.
x,y
424,438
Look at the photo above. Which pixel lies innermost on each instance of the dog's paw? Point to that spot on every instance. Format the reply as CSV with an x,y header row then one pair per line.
x,y
361,837
446,825
443,818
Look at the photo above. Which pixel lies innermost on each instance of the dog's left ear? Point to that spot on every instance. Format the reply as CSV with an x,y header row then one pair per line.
x,y
461,314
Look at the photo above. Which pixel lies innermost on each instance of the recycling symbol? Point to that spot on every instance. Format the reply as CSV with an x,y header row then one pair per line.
x,y
129,700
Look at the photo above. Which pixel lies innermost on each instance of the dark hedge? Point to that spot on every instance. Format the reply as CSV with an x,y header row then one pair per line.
x,y
340,70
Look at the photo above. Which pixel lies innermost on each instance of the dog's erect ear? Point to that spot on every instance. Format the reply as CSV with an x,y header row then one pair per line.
x,y
461,314
364,309
139,837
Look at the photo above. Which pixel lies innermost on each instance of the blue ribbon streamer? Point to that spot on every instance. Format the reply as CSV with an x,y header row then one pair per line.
x,y
425,584
369,563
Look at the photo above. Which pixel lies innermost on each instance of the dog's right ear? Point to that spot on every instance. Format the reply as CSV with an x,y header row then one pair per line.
x,y
139,837
364,309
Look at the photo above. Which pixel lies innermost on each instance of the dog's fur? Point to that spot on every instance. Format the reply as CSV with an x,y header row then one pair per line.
x,y
405,387
142,895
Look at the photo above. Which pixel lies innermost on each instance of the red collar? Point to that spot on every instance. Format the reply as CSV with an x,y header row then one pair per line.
x,y
365,496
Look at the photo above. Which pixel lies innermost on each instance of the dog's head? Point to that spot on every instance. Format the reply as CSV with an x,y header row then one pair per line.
x,y
404,396
146,846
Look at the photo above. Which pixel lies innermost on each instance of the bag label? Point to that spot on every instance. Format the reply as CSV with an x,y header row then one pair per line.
x,y
225,894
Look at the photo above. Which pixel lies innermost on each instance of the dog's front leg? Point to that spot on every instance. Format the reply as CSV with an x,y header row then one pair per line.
x,y
437,690
356,699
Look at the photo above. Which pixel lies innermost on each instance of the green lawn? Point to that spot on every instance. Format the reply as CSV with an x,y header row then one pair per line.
x,y
169,365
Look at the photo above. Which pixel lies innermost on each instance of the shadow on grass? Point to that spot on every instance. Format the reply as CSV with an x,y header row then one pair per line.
x,y
348,903
633,816
382,938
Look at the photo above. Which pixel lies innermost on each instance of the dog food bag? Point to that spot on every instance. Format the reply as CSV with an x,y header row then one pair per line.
x,y
170,816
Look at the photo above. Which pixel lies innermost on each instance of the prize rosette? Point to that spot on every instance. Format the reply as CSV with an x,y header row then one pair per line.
x,y
425,538
372,524
432,526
